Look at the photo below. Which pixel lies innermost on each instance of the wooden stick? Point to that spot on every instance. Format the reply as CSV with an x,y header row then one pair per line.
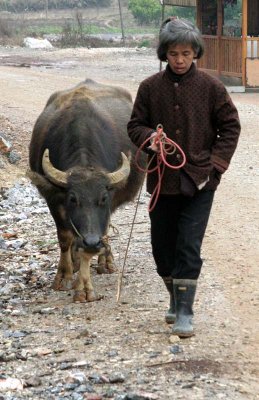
x,y
121,273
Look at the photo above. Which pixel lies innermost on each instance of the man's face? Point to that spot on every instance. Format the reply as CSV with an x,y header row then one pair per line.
x,y
180,58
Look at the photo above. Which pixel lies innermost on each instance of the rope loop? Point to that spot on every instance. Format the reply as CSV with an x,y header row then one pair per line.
x,y
166,147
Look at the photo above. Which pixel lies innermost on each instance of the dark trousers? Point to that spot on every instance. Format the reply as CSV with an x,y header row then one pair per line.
x,y
178,225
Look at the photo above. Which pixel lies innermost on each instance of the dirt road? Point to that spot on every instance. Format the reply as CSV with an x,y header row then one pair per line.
x,y
124,350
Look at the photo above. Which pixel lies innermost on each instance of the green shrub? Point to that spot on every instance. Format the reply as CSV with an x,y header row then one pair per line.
x,y
150,11
144,43
145,11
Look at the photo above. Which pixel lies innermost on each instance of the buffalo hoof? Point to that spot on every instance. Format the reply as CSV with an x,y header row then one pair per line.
x,y
106,269
62,284
101,269
81,296
66,284
55,285
91,296
111,268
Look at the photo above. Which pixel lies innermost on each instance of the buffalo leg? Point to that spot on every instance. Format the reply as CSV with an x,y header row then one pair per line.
x,y
64,275
105,259
84,290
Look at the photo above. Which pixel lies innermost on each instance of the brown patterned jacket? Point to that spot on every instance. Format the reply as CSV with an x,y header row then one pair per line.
x,y
198,114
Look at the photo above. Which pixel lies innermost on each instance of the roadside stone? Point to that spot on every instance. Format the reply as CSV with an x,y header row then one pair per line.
x,y
9,383
48,310
44,311
176,349
82,363
117,378
18,313
93,397
98,379
22,355
13,157
3,245
6,217
84,333
5,145
15,334
2,163
188,385
85,388
76,377
33,381
21,216
154,354
174,339
112,353
65,365
7,357
76,396
16,244
70,386
137,396
34,43
88,341
38,352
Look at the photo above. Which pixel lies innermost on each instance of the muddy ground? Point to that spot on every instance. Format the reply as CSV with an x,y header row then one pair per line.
x,y
109,349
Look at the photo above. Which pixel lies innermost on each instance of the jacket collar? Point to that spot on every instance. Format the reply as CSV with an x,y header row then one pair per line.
x,y
179,78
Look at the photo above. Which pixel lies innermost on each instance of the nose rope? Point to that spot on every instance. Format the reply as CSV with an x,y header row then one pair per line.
x,y
76,231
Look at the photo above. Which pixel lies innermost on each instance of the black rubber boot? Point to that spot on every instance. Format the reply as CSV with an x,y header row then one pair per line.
x,y
170,314
184,293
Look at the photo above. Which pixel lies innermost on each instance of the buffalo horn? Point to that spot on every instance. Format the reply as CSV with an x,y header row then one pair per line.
x,y
122,173
56,176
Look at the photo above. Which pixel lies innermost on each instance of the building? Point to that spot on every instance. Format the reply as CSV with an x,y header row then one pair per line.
x,y
231,46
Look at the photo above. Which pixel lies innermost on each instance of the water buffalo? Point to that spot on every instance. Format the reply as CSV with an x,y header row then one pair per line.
x,y
82,163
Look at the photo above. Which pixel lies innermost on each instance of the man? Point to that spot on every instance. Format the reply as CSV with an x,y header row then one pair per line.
x,y
196,112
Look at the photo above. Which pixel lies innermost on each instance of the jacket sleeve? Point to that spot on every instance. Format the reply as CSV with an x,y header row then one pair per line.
x,y
139,128
228,130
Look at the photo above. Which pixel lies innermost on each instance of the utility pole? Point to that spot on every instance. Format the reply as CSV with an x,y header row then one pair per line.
x,y
47,8
122,28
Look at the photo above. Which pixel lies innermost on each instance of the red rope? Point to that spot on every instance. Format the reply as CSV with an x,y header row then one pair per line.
x,y
166,147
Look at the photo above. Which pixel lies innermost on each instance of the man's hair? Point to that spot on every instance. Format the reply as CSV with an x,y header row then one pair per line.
x,y
179,31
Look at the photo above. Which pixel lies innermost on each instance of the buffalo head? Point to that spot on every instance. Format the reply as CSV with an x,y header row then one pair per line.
x,y
88,197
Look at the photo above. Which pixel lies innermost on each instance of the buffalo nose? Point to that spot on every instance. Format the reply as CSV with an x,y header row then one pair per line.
x,y
92,242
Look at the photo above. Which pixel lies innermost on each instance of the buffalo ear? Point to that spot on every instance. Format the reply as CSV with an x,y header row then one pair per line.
x,y
38,180
44,186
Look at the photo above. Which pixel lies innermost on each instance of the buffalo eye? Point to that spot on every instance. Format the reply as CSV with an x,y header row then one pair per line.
x,y
72,199
103,200
109,188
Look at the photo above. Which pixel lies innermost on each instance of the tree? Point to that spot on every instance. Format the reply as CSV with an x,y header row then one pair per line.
x,y
145,11
184,12
233,11
149,11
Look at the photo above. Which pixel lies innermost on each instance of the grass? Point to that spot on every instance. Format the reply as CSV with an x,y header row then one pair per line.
x,y
89,29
